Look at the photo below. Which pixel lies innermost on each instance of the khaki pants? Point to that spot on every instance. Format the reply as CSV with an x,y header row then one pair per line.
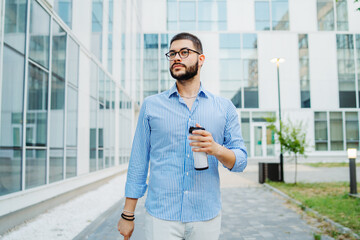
x,y
158,229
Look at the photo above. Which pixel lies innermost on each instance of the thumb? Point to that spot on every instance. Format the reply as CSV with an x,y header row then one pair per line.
x,y
198,125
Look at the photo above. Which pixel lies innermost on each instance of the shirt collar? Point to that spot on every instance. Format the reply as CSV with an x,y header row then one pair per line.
x,y
174,92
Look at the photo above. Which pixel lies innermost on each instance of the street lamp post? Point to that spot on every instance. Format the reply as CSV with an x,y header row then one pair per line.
x,y
352,153
278,61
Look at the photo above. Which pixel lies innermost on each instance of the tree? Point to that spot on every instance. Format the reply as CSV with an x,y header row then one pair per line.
x,y
292,138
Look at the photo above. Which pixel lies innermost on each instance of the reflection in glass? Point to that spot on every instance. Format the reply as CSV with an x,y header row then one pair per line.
x,y
280,14
346,70
56,168
93,131
71,163
262,15
321,135
36,124
10,171
15,24
97,25
73,62
325,15
150,64
258,139
11,99
336,131
341,15
39,34
304,71
35,168
230,67
72,109
64,9
352,130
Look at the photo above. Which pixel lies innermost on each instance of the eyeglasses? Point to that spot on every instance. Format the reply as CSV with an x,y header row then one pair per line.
x,y
183,53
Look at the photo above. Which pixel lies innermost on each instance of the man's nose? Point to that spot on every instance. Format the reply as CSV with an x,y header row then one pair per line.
x,y
177,57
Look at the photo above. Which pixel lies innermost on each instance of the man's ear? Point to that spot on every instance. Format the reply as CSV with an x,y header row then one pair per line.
x,y
201,60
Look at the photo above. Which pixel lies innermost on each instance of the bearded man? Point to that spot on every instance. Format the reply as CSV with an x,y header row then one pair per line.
x,y
182,203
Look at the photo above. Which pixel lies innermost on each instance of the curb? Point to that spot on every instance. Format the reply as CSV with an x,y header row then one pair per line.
x,y
338,226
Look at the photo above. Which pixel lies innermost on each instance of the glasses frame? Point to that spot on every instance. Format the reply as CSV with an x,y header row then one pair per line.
x,y
178,52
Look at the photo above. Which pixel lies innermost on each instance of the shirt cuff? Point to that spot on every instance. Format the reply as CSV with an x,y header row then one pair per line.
x,y
240,161
133,190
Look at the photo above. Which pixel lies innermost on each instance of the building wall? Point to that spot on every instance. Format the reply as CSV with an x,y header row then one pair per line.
x,y
323,63
93,103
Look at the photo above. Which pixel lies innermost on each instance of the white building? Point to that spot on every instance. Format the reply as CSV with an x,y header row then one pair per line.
x,y
74,73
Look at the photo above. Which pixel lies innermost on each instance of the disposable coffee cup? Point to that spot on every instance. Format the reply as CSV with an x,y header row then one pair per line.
x,y
200,158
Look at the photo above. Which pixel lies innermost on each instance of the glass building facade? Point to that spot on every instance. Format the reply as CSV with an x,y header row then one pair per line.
x,y
49,79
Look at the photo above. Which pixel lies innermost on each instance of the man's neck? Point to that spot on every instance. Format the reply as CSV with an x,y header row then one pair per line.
x,y
188,88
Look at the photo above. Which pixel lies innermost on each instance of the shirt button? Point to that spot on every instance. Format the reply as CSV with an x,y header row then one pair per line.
x,y
186,192
188,155
187,174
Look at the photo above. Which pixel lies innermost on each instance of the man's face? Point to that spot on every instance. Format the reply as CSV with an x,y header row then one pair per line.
x,y
187,68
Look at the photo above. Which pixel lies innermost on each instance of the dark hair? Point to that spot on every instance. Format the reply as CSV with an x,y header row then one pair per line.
x,y
188,36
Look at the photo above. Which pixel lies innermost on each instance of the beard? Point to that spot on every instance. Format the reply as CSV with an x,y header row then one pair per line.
x,y
190,72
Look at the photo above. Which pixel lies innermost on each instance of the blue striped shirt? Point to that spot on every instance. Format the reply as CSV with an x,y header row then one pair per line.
x,y
177,191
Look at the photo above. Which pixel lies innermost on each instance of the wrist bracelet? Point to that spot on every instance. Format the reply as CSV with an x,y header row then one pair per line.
x,y
128,211
127,217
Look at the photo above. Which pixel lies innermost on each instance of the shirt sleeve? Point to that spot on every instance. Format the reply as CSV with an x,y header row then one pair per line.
x,y
233,139
139,160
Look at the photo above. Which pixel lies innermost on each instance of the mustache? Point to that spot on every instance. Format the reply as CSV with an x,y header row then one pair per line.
x,y
172,66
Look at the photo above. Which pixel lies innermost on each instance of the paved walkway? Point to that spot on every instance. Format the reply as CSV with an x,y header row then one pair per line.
x,y
249,212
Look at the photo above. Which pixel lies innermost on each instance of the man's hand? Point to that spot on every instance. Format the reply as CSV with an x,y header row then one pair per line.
x,y
205,142
126,228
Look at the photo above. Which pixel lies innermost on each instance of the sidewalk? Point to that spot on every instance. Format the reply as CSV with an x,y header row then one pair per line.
x,y
249,211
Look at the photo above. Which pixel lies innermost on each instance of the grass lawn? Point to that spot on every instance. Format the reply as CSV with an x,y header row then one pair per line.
x,y
329,199
330,164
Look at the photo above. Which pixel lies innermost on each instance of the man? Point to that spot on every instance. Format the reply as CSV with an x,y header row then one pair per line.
x,y
182,203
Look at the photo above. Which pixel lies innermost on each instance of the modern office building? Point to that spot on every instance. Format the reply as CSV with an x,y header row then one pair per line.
x,y
68,77
73,75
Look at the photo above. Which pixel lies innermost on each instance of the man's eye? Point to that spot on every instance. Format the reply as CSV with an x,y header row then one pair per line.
x,y
184,52
172,54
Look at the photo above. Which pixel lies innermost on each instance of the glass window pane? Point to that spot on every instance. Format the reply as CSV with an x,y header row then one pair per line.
x,y
352,130
280,15
35,168
15,24
39,34
36,124
93,127
56,168
93,79
57,113
71,163
58,51
342,15
336,131
321,131
10,171
172,11
73,62
11,99
262,15
325,15
187,11
72,109
64,9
